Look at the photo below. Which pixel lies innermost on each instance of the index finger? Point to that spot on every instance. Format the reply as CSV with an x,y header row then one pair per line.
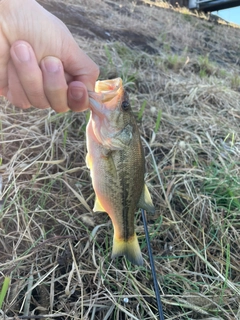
x,y
4,58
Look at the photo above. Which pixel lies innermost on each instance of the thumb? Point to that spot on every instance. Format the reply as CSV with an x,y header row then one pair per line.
x,y
80,66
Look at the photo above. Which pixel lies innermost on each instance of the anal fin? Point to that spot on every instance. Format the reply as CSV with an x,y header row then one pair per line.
x,y
145,201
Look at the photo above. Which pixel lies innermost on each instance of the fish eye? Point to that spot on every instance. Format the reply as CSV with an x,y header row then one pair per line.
x,y
125,105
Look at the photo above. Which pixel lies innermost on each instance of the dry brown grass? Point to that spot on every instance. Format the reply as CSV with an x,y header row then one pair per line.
x,y
57,252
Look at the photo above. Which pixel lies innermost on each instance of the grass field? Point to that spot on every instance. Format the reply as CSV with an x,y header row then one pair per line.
x,y
182,74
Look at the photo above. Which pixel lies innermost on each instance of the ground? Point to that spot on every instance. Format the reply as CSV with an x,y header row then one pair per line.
x,y
181,70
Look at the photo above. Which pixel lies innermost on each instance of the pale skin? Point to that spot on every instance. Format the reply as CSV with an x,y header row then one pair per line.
x,y
41,64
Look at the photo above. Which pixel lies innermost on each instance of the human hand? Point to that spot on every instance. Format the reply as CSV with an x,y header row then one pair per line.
x,y
40,62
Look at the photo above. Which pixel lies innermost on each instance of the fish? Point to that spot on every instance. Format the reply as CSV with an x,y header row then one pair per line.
x,y
116,161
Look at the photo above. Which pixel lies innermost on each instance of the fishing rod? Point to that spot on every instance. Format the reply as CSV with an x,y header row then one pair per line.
x,y
155,283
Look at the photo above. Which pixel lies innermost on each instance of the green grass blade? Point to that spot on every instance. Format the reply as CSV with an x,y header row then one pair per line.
x,y
4,290
143,106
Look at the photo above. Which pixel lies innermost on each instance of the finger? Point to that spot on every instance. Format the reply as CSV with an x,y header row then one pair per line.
x,y
77,96
4,57
29,73
54,83
16,94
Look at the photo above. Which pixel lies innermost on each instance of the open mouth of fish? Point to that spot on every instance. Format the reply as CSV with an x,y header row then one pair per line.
x,y
105,91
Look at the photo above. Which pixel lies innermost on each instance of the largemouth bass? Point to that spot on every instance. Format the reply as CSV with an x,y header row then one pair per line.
x,y
116,162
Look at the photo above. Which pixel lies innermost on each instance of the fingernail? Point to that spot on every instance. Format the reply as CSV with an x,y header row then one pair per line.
x,y
76,92
51,64
22,52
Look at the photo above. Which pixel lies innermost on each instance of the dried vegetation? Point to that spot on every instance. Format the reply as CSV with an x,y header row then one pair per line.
x,y
182,73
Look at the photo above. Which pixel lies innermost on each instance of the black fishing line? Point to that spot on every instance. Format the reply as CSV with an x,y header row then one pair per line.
x,y
155,283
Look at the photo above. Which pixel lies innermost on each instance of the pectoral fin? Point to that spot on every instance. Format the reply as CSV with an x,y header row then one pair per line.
x,y
88,161
145,201
97,206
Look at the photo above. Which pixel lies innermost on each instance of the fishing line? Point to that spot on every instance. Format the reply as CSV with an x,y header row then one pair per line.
x,y
155,283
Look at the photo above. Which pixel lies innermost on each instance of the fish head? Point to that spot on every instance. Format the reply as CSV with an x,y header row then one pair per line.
x,y
112,118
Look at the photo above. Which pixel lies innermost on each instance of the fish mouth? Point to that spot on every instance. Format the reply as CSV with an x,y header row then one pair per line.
x,y
109,88
106,96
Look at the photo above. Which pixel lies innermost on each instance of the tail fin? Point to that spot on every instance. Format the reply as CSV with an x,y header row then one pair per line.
x,y
129,248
